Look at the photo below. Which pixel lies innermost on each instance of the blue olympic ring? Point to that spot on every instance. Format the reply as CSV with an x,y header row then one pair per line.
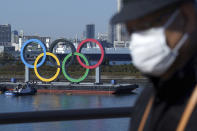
x,y
23,47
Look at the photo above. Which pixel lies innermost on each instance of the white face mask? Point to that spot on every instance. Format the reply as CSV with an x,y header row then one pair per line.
x,y
150,52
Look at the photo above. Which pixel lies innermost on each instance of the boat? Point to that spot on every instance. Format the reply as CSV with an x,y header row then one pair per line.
x,y
21,90
9,93
125,89
3,89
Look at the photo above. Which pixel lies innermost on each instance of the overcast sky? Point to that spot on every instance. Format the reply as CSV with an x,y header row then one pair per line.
x,y
56,18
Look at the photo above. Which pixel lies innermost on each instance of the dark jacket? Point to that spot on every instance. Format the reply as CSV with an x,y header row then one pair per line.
x,y
170,99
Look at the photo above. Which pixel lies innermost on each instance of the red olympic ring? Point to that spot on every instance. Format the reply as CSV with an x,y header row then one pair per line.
x,y
102,53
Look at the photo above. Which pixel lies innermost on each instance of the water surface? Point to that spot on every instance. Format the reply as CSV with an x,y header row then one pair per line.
x,y
62,101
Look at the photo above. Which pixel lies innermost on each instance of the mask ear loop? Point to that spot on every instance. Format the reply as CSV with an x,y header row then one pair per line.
x,y
181,42
185,36
171,19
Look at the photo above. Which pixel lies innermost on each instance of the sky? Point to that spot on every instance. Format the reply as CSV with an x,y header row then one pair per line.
x,y
57,18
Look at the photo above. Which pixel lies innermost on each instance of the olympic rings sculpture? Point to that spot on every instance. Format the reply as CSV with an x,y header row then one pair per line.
x,y
63,64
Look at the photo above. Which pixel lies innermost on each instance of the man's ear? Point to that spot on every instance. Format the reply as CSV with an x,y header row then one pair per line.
x,y
189,13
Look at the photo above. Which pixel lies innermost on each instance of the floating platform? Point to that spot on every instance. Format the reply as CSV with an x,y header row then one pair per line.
x,y
74,88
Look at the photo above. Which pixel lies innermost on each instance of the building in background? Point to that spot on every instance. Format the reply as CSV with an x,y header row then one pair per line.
x,y
6,39
15,40
14,37
23,38
5,35
44,40
105,44
90,31
111,33
21,33
122,36
7,49
102,36
83,35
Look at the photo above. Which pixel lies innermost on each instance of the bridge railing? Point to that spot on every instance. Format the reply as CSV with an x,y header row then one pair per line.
x,y
65,115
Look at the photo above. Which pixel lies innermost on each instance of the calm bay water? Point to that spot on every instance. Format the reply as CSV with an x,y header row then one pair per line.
x,y
61,101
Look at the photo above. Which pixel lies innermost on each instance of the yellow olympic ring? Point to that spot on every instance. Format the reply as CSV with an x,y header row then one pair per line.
x,y
58,69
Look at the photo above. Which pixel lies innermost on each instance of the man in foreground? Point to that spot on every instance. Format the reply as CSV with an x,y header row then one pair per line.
x,y
163,47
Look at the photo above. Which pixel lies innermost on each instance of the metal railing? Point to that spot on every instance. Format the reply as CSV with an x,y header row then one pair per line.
x,y
65,115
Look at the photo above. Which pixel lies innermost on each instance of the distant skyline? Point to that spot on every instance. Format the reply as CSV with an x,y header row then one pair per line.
x,y
57,18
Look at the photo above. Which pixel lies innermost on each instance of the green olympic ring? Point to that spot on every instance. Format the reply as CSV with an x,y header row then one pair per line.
x,y
66,75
